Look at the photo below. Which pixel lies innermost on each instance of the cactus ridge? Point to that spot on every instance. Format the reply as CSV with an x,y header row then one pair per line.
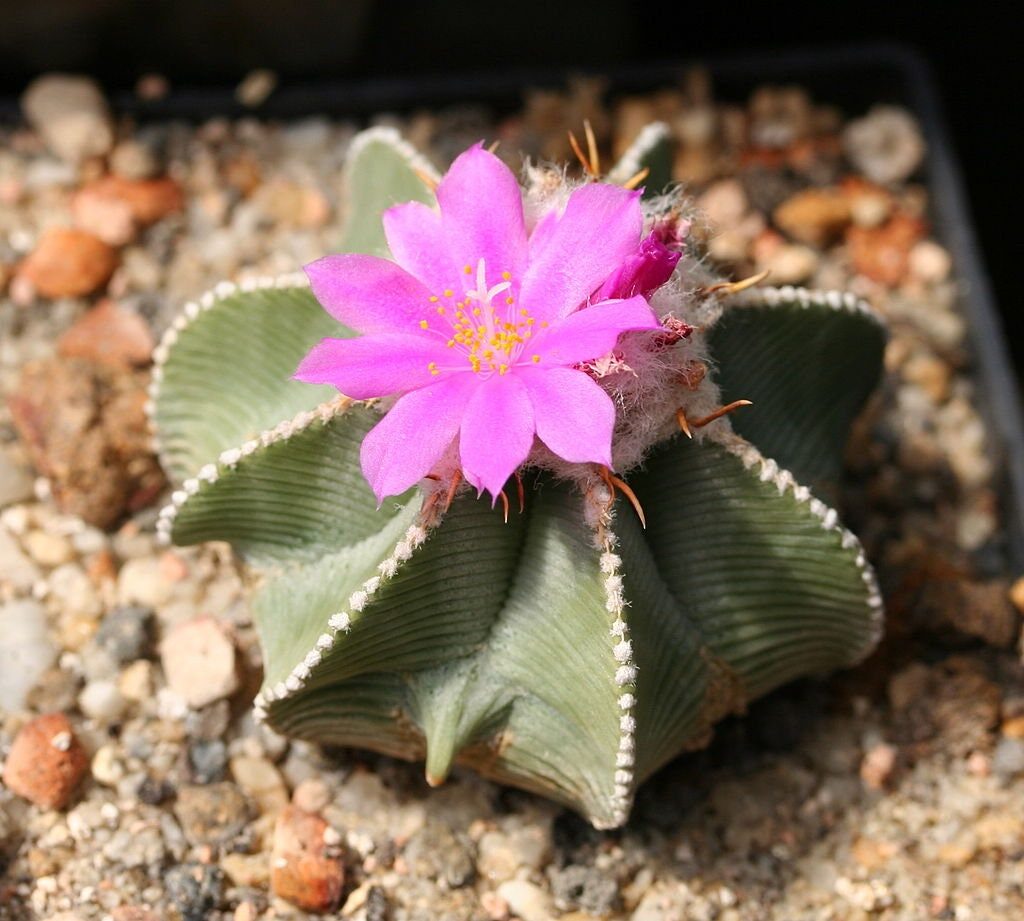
x,y
568,651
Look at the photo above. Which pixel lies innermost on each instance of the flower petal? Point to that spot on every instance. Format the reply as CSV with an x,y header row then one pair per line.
x,y
592,332
367,293
599,230
497,432
482,214
573,415
416,240
403,447
373,366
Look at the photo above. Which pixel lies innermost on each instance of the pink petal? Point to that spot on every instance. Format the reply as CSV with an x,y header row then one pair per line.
x,y
599,230
591,332
368,294
574,416
403,447
482,214
497,432
416,240
374,366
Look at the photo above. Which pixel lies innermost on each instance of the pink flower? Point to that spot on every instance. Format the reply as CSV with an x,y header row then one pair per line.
x,y
644,272
477,326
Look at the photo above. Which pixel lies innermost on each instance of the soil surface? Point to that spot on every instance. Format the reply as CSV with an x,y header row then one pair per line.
x,y
135,783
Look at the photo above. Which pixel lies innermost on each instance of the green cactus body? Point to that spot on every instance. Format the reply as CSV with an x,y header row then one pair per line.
x,y
568,651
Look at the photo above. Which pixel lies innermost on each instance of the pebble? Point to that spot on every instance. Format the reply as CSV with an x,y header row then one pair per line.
x,y
526,900
68,262
46,762
262,782
502,853
109,334
883,253
247,869
146,200
209,760
211,814
195,890
108,218
876,769
102,701
303,869
584,887
26,650
142,582
886,145
311,795
198,659
126,633
136,681
15,481
1016,594
930,262
107,767
49,549
71,115
1008,758
814,216
131,159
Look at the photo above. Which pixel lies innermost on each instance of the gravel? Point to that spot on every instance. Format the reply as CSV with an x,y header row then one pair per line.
x,y
888,792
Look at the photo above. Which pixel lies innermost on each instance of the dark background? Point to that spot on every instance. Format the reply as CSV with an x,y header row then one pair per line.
x,y
972,48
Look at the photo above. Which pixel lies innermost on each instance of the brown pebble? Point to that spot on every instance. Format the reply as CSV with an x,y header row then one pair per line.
x,y
1017,594
883,253
108,334
872,854
813,216
68,262
1013,728
148,200
302,869
46,762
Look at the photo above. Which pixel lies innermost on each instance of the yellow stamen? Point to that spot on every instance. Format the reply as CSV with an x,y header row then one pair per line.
x,y
424,324
535,359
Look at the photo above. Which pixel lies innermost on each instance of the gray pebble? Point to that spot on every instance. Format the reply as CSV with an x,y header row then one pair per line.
x,y
126,633
195,889
581,887
1008,758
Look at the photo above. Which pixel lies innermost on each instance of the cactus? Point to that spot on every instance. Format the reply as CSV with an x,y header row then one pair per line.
x,y
570,647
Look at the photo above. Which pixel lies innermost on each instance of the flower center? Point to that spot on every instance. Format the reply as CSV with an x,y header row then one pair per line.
x,y
491,336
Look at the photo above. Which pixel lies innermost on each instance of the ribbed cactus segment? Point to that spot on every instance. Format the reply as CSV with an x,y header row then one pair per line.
x,y
382,170
650,150
223,370
807,360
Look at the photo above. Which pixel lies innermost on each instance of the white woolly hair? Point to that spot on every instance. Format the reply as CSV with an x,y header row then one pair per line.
x,y
647,382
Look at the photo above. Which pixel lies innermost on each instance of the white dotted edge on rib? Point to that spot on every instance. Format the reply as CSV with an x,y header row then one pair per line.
x,y
630,163
191,312
769,471
625,681
229,459
339,623
384,134
805,297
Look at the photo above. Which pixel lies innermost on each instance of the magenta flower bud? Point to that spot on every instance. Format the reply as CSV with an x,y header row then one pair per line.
x,y
642,273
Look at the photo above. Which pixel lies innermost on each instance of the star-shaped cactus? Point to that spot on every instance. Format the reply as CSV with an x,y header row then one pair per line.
x,y
567,650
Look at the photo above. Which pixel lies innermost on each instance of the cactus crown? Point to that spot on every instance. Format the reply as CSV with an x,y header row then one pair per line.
x,y
566,648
